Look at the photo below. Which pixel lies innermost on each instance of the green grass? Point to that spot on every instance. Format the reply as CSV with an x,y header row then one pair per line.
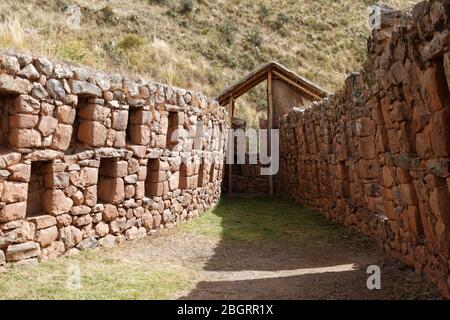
x,y
103,276
265,219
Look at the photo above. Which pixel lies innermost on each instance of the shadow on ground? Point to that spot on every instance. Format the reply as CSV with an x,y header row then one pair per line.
x,y
276,249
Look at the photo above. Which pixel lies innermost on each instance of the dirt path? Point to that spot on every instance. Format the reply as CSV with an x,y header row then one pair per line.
x,y
276,271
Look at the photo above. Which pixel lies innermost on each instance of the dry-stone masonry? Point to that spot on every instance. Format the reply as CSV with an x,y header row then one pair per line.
x,y
376,155
88,159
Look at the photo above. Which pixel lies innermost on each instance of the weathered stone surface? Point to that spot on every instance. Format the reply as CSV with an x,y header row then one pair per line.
x,y
110,213
12,85
65,114
42,222
111,190
13,211
9,64
70,236
56,202
25,138
23,121
55,89
22,251
88,243
47,125
46,236
108,242
29,72
83,88
43,65
92,133
53,251
94,112
101,229
135,233
14,191
61,137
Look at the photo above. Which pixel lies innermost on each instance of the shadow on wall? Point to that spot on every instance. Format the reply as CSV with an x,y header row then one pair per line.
x,y
273,248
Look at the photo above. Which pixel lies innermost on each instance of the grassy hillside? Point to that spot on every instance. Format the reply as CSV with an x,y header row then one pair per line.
x,y
198,44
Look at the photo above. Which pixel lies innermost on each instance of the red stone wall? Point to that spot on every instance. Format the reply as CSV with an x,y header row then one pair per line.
x,y
376,155
88,159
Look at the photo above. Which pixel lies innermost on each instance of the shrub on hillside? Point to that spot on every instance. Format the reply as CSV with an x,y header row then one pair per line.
x,y
227,32
186,6
253,37
130,41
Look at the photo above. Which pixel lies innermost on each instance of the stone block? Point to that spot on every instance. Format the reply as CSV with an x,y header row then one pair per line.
x,y
24,138
45,237
14,191
14,85
22,251
13,211
92,133
23,121
94,112
111,190
139,134
56,202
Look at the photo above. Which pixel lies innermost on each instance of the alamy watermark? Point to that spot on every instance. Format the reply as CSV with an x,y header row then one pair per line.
x,y
73,280
374,280
248,146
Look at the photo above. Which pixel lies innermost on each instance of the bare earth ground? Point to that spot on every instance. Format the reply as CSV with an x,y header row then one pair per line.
x,y
244,249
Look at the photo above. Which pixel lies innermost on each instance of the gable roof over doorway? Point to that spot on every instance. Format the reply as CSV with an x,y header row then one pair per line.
x,y
279,72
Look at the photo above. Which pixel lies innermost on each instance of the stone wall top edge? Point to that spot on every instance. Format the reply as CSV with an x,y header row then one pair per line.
x,y
62,69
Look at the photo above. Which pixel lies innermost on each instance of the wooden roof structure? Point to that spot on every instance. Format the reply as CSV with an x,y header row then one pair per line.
x,y
279,72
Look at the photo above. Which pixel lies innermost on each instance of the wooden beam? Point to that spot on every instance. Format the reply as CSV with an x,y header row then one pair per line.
x,y
270,118
232,107
230,165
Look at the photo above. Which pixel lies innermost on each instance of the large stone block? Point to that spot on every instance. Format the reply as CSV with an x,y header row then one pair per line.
x,y
156,189
139,134
42,222
65,114
14,85
58,180
140,117
45,237
47,125
92,133
14,191
440,204
84,89
440,133
22,251
88,176
62,136
94,112
113,168
119,120
435,88
24,138
23,121
56,202
70,236
13,211
111,190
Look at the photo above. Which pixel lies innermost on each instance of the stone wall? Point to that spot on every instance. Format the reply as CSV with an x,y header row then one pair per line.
x,y
376,155
90,159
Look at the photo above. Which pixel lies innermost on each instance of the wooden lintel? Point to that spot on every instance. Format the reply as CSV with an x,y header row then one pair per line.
x,y
270,120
